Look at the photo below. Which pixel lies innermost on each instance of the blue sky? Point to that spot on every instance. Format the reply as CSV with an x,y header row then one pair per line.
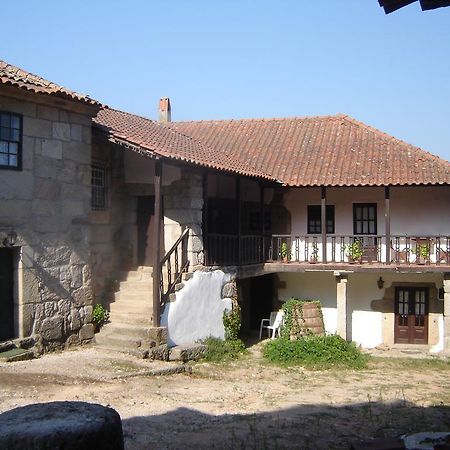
x,y
246,58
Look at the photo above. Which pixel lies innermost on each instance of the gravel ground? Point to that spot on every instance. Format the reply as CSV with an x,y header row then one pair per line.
x,y
245,404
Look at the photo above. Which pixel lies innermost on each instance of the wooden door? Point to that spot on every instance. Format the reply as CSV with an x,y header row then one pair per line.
x,y
145,223
6,294
411,316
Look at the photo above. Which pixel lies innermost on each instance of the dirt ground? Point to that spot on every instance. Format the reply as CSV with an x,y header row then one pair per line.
x,y
245,404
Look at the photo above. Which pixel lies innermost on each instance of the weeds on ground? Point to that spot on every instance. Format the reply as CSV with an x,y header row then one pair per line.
x,y
315,352
219,350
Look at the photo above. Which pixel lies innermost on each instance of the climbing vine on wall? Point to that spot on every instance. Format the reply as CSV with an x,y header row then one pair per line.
x,y
294,321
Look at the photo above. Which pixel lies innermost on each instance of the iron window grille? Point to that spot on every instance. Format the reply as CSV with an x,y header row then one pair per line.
x,y
10,141
99,184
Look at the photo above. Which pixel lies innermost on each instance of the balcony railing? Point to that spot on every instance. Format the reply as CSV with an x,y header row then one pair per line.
x,y
401,249
222,249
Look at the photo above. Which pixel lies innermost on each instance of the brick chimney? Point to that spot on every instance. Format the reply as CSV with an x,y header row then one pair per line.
x,y
164,110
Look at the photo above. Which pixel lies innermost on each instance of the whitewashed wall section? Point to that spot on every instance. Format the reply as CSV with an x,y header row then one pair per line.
x,y
198,309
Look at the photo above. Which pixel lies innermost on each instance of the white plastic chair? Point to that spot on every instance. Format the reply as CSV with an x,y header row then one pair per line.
x,y
273,324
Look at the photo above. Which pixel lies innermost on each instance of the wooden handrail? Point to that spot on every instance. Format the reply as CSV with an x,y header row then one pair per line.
x,y
174,278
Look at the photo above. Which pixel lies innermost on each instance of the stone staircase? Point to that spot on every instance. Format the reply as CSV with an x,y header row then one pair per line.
x,y
130,313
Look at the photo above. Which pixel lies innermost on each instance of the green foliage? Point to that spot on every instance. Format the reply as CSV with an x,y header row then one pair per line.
x,y
317,352
421,250
99,315
289,327
285,253
354,250
219,350
232,322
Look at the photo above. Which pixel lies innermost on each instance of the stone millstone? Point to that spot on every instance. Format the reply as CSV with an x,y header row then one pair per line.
x,y
61,425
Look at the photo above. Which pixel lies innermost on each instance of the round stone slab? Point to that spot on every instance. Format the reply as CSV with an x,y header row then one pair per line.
x,y
61,425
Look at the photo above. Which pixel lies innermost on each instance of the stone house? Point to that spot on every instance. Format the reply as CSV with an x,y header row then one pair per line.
x,y
276,208
168,223
45,202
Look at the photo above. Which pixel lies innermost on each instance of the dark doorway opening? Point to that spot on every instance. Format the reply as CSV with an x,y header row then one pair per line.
x,y
145,223
258,301
6,294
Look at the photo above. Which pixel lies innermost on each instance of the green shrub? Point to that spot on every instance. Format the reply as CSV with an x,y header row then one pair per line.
x,y
319,352
219,350
99,315
232,322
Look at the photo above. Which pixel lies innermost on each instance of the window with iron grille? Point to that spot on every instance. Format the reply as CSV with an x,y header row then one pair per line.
x,y
99,183
10,141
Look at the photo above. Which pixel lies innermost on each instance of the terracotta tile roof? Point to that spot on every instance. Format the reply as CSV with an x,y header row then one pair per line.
x,y
159,140
320,151
14,76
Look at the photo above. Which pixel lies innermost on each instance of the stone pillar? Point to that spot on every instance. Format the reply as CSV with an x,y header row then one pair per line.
x,y
341,304
447,312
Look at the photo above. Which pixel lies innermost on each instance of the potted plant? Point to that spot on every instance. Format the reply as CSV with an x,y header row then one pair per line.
x,y
354,251
314,254
100,316
285,252
422,252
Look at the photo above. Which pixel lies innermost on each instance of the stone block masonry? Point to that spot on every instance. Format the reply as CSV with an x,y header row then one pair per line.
x,y
47,203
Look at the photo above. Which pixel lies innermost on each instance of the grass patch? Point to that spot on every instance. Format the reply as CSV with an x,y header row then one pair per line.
x,y
219,350
316,352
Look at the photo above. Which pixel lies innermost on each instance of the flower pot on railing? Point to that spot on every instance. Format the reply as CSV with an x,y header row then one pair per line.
x,y
315,254
422,252
354,252
285,253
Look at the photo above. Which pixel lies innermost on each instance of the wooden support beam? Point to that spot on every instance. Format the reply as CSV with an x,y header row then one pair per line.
x,y
387,217
261,215
323,218
205,218
157,240
239,214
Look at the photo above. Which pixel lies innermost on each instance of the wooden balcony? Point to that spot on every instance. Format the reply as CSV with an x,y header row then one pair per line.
x,y
338,250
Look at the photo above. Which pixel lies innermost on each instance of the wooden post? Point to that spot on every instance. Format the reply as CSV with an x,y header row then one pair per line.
x,y
387,216
261,214
239,230
205,219
157,240
323,218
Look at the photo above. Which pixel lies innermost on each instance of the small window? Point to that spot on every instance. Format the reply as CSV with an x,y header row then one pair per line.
x,y
315,219
99,199
10,141
364,218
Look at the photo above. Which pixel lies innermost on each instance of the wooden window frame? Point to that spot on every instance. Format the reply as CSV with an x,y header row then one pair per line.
x,y
316,211
365,205
8,141
99,191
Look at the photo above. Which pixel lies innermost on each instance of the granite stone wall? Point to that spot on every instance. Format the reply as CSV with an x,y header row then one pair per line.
x,y
47,204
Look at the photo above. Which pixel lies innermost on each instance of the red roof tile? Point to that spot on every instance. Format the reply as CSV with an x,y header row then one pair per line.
x,y
157,139
14,76
320,151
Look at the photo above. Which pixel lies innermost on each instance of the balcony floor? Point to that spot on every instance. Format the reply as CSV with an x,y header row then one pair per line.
x,y
276,266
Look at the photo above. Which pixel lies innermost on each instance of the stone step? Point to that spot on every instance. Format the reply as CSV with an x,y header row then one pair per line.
x,y
138,307
136,296
141,285
137,275
129,330
131,318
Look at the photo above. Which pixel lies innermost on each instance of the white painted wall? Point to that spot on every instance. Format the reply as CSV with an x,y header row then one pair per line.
x,y
364,326
440,345
197,312
415,210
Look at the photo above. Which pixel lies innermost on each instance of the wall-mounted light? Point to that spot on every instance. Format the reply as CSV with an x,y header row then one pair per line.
x,y
10,239
380,283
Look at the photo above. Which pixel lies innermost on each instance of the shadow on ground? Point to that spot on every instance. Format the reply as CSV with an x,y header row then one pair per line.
x,y
302,427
